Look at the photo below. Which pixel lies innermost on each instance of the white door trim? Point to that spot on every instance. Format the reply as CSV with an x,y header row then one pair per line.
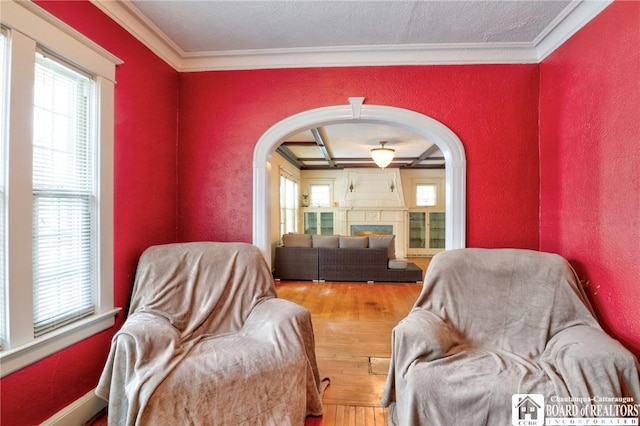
x,y
357,112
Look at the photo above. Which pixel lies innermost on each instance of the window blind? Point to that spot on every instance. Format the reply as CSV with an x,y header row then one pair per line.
x,y
64,205
3,169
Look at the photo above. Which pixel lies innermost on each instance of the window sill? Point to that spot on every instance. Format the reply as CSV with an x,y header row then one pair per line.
x,y
14,359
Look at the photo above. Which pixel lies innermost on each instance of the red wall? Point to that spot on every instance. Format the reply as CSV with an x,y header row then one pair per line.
x,y
584,188
590,163
492,109
145,208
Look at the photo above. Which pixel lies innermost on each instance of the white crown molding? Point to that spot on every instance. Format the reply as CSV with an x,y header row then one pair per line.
x,y
35,22
131,19
575,16
344,56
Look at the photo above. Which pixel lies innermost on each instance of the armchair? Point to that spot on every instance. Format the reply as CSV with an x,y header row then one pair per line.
x,y
494,323
207,342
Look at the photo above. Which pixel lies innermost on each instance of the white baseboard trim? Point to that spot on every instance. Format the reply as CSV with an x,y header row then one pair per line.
x,y
78,412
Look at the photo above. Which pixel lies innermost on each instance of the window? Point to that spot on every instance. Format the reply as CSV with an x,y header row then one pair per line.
x,y
64,201
57,186
288,205
320,195
426,195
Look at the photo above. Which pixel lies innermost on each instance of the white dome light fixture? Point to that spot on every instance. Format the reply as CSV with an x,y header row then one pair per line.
x,y
382,156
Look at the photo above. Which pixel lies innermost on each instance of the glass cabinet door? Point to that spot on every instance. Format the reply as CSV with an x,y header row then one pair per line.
x,y
436,230
426,233
417,229
316,222
326,223
310,222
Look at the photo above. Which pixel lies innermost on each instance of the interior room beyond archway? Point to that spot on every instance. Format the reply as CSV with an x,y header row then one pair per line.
x,y
358,112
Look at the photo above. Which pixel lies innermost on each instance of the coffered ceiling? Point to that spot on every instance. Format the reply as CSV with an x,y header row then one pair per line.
x,y
340,146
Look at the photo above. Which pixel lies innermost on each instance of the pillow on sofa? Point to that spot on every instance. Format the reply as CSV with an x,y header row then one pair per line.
x,y
354,242
326,241
384,241
296,240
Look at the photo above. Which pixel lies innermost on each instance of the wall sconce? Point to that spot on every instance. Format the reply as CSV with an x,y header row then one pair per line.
x,y
392,186
351,187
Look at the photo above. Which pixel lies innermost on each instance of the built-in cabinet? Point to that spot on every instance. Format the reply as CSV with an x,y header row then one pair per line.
x,y
332,202
426,232
436,231
417,231
319,222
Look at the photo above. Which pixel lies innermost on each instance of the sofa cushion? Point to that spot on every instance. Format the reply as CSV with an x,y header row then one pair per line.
x,y
384,241
397,264
354,242
326,241
296,240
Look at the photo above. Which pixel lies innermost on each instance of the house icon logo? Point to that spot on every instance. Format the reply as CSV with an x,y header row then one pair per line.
x,y
527,410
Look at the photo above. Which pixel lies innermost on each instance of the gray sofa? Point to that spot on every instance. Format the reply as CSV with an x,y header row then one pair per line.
x,y
334,258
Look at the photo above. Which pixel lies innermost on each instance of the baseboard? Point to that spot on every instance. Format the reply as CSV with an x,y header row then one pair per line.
x,y
78,412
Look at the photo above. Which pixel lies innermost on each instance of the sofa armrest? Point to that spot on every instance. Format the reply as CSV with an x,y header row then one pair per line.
x,y
424,335
421,335
274,322
143,337
587,361
296,263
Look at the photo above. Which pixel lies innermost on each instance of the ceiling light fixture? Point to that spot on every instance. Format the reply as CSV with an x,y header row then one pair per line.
x,y
382,156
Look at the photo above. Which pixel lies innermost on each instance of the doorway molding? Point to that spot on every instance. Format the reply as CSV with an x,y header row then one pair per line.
x,y
357,112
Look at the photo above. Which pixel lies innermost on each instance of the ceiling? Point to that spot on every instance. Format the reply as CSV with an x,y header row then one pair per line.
x,y
243,25
242,34
348,145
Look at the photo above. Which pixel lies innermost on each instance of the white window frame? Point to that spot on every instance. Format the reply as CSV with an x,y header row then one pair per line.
x,y
30,26
435,198
320,182
312,200
439,183
295,209
3,144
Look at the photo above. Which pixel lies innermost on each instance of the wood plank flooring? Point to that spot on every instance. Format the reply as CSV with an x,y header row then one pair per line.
x,y
352,326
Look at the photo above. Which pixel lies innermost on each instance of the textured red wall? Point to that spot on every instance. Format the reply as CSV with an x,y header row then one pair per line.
x,y
590,157
145,208
492,109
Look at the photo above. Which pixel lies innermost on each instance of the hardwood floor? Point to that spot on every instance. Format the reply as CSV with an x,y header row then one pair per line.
x,y
352,327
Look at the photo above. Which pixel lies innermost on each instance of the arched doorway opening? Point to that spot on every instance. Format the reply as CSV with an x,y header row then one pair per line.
x,y
354,112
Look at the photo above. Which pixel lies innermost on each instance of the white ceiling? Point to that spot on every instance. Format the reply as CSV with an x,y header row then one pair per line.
x,y
242,25
223,34
240,34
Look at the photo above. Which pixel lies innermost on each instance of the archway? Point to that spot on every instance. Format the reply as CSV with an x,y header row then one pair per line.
x,y
356,111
